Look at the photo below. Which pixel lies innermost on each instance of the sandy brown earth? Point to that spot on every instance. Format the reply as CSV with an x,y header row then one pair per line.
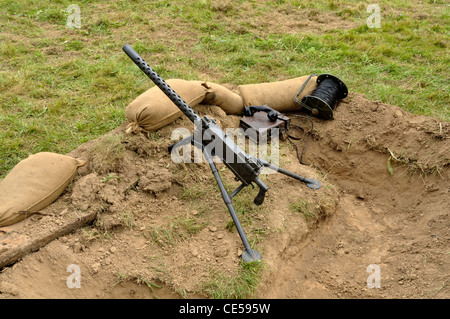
x,y
162,230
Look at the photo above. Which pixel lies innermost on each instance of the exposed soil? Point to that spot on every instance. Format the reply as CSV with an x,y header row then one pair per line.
x,y
162,228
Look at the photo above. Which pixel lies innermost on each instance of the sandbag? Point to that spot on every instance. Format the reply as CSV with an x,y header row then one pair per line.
x,y
278,95
35,183
153,109
219,95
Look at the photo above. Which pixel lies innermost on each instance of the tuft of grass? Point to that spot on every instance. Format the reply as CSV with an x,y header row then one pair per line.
x,y
194,192
138,279
164,236
191,226
413,165
177,230
150,284
127,219
240,286
107,154
91,233
303,207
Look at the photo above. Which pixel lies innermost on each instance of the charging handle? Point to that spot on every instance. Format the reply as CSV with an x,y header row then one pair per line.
x,y
272,115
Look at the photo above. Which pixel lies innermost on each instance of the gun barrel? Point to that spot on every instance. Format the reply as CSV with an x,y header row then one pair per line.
x,y
171,94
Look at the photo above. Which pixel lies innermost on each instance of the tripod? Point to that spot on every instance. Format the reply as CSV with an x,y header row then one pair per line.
x,y
215,142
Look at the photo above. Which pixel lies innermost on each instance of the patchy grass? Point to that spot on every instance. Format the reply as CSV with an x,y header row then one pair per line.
x,y
223,286
107,154
122,277
175,231
303,207
60,87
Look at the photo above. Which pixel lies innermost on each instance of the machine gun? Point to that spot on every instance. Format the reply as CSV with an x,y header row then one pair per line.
x,y
213,142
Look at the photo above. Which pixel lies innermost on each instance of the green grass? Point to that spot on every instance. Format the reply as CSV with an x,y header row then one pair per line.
x,y
240,286
177,230
61,87
193,193
122,277
107,155
303,207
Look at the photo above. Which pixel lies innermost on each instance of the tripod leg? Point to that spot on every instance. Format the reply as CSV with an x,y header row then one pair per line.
x,y
184,141
249,254
310,182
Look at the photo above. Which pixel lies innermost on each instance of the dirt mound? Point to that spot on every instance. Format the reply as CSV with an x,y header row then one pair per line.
x,y
162,230
391,171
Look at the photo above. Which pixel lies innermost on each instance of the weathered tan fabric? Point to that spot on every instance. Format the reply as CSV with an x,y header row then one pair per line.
x,y
35,183
153,109
278,95
219,95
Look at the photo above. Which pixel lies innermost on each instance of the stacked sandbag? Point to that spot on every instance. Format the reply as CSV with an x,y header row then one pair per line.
x,y
278,95
219,95
153,109
35,183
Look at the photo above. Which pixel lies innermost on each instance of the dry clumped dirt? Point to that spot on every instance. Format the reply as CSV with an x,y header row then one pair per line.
x,y
161,230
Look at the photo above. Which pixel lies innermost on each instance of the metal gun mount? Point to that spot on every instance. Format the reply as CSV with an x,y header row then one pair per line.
x,y
246,168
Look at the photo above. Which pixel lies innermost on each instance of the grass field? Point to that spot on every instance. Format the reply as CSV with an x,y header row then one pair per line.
x,y
60,86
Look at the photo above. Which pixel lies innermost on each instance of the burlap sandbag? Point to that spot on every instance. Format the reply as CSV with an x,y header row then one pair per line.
x,y
35,183
278,95
219,95
153,109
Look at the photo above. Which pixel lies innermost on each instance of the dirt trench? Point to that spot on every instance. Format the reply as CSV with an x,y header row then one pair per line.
x,y
161,230
396,220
